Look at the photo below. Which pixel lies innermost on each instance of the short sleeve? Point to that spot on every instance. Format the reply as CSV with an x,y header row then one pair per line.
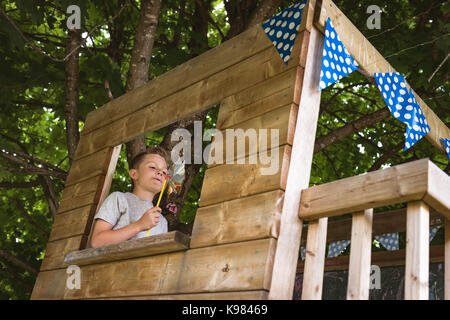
x,y
112,208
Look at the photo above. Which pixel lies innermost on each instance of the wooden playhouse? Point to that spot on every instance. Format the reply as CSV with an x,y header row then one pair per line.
x,y
247,231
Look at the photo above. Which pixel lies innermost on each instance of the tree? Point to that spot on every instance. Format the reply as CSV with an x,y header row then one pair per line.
x,y
51,78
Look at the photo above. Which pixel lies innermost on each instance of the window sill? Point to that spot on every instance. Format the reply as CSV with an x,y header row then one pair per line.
x,y
152,245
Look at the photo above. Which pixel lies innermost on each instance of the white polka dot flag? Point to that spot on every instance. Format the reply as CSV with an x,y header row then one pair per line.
x,y
336,248
446,144
302,253
403,105
282,29
388,240
336,61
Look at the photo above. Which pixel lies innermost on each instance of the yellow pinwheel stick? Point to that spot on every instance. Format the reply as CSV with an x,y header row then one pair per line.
x,y
159,199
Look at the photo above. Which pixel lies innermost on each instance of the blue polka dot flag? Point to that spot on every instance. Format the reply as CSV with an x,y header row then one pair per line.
x,y
446,144
388,240
282,29
433,231
336,61
336,248
403,106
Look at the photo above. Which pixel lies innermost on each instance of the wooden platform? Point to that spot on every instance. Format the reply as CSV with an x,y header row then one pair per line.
x,y
152,245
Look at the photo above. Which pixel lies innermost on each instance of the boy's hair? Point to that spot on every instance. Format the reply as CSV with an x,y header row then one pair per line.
x,y
136,161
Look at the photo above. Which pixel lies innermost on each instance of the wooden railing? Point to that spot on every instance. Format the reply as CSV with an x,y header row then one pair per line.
x,y
419,184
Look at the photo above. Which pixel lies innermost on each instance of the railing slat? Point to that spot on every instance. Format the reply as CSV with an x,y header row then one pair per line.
x,y
360,254
315,259
417,250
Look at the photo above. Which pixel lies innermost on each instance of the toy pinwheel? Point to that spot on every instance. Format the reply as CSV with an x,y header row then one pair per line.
x,y
175,179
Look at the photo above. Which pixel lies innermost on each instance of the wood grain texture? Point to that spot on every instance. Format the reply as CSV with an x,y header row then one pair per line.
x,y
81,194
383,222
438,193
72,223
233,181
401,183
372,61
417,251
381,259
94,165
242,219
254,136
56,250
288,245
360,254
148,246
196,98
233,267
315,260
237,295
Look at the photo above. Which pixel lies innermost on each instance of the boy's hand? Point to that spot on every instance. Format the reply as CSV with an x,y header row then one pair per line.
x,y
150,218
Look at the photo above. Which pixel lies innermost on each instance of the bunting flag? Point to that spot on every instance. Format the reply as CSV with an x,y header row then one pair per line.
x,y
282,29
433,231
403,106
303,253
446,145
336,248
388,240
336,60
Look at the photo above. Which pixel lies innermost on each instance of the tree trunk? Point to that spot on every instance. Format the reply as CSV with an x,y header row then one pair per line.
x,y
140,61
72,116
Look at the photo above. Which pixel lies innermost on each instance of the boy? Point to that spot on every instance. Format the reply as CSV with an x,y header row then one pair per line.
x,y
125,216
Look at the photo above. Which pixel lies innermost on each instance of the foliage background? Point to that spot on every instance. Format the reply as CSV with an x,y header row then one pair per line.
x,y
414,37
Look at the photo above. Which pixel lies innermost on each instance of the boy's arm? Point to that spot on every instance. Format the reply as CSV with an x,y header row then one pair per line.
x,y
103,233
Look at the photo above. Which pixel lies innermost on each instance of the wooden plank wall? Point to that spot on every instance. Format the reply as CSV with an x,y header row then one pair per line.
x,y
234,234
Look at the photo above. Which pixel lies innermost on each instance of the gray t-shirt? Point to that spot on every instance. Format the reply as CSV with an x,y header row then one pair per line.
x,y
120,209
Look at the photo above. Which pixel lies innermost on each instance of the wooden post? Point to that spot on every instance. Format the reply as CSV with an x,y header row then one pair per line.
x,y
447,260
360,254
315,259
286,256
417,251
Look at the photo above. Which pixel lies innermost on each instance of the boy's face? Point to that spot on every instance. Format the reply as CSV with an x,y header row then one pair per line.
x,y
150,173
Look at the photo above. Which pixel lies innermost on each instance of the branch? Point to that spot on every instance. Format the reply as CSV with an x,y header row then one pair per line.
x,y
40,50
13,259
27,217
31,169
350,128
383,159
10,185
50,194
437,69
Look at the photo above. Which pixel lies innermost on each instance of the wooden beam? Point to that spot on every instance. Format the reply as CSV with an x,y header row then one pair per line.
x,y
380,258
372,61
242,219
438,193
417,251
401,183
233,181
157,244
236,295
232,267
360,254
383,222
94,165
315,260
72,223
198,97
307,83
